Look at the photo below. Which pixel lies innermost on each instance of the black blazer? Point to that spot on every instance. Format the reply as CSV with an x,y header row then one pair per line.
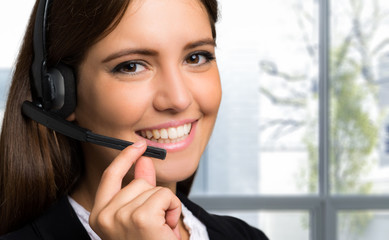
x,y
60,222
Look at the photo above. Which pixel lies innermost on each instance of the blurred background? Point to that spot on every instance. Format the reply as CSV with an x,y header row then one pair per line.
x,y
301,145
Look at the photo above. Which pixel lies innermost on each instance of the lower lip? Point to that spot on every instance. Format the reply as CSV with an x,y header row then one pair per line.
x,y
177,146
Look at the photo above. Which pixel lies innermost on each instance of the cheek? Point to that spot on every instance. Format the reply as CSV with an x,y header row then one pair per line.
x,y
208,93
107,106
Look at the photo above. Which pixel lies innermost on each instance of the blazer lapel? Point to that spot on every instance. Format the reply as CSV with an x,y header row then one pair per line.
x,y
60,222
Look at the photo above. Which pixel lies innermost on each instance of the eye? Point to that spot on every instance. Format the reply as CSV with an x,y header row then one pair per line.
x,y
199,58
130,67
196,59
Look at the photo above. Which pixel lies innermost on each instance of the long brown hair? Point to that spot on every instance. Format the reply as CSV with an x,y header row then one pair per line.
x,y
37,165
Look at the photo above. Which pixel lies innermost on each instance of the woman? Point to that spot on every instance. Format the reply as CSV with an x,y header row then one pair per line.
x,y
146,72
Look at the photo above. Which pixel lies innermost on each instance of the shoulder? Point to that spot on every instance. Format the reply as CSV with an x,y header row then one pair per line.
x,y
26,232
59,222
234,228
223,227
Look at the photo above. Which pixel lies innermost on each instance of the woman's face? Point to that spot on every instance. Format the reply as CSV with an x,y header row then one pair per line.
x,y
154,77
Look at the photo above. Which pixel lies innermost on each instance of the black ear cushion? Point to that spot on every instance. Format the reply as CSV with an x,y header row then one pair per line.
x,y
70,100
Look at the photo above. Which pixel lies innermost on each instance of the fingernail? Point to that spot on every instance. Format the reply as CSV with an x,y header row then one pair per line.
x,y
138,144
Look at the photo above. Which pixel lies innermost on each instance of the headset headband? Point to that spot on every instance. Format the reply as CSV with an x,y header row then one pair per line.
x,y
39,68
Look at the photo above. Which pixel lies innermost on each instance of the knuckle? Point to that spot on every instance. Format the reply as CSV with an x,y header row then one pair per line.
x,y
140,218
107,173
121,217
142,183
103,220
166,192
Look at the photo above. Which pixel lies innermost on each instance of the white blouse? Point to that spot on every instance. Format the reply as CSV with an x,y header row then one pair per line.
x,y
197,229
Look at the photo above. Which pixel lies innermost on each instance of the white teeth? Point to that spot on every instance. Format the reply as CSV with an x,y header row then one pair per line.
x,y
156,134
187,128
180,131
164,134
149,134
170,135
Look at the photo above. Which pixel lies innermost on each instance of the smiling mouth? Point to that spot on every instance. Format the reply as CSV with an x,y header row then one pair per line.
x,y
167,135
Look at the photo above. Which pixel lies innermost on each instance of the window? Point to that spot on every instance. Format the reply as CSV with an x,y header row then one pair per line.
x,y
302,136
4,85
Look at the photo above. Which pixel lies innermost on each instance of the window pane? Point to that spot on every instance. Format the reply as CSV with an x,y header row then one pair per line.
x,y
265,139
359,97
294,225
288,86
4,85
362,225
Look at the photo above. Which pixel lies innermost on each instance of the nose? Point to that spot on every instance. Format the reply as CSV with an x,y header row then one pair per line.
x,y
173,93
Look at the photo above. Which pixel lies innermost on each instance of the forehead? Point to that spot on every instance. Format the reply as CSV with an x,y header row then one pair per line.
x,y
190,5
159,22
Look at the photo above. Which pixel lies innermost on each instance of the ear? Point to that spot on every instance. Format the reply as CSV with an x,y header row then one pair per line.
x,y
71,117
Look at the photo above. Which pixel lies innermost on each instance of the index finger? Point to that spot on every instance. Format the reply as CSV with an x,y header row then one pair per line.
x,y
111,180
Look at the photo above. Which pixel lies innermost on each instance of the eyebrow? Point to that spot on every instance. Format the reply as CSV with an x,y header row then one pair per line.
x,y
202,42
150,52
125,52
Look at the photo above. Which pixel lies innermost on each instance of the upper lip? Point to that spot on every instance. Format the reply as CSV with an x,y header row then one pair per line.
x,y
169,124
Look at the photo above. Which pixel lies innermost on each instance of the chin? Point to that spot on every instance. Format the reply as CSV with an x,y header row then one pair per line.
x,y
176,168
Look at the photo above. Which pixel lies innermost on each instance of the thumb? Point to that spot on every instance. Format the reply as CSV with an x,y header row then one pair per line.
x,y
144,168
176,231
172,216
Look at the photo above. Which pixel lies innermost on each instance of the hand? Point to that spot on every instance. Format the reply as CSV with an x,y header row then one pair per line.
x,y
140,210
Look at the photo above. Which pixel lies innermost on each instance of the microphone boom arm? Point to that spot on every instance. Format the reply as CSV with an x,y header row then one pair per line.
x,y
82,134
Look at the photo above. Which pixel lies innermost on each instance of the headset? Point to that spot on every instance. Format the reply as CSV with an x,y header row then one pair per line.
x,y
54,94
